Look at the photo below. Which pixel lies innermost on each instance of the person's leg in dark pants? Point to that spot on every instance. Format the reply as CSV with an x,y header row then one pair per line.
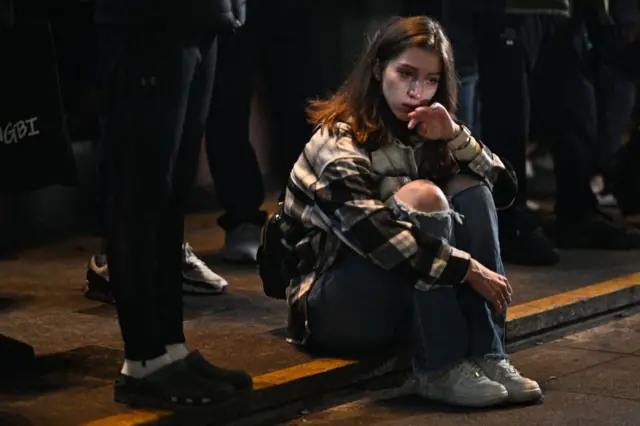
x,y
291,68
507,49
97,285
155,84
149,93
196,278
571,123
615,98
457,20
566,89
185,163
503,71
237,177
615,90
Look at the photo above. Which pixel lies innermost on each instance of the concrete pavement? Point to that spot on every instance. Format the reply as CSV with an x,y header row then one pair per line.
x,y
80,352
591,378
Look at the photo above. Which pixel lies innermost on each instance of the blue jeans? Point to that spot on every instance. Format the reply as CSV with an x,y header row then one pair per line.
x,y
469,108
357,305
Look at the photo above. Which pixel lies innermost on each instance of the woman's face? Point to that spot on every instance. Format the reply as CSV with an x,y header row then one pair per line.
x,y
411,80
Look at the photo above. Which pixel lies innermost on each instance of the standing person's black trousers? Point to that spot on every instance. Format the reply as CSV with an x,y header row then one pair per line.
x,y
614,88
538,60
569,125
159,86
237,177
508,47
535,59
277,42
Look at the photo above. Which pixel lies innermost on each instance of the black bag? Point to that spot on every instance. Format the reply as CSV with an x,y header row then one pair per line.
x,y
272,256
34,148
276,256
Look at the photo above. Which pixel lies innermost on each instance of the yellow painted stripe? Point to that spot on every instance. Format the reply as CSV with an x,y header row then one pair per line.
x,y
131,418
322,365
570,297
300,371
264,381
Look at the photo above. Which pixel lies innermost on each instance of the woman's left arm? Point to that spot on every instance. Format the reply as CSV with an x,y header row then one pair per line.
x,y
476,159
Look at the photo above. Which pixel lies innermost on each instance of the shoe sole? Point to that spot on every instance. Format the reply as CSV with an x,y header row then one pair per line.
x,y
97,296
490,401
141,401
192,287
532,395
187,289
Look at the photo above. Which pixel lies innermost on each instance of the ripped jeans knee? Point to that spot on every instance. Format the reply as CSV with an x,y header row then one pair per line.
x,y
439,224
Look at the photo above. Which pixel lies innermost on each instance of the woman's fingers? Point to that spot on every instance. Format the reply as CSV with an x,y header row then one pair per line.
x,y
417,116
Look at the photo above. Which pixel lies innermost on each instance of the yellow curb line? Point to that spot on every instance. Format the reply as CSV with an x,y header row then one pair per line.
x,y
570,297
322,365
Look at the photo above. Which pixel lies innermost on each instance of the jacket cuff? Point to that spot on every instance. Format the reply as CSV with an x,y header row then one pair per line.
x,y
464,146
457,267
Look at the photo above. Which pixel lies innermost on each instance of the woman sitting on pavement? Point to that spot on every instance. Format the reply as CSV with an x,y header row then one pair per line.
x,y
398,202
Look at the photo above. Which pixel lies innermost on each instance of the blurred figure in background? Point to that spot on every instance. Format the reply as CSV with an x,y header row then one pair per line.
x,y
278,43
568,106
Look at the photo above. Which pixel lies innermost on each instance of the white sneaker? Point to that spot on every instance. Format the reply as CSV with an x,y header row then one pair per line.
x,y
197,278
241,244
520,388
465,385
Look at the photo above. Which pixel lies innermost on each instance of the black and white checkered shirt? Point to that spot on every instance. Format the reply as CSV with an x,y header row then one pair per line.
x,y
337,192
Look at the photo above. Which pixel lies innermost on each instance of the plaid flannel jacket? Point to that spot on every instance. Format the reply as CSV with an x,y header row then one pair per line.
x,y
337,192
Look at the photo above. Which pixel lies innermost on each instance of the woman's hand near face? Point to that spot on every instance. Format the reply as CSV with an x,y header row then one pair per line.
x,y
433,122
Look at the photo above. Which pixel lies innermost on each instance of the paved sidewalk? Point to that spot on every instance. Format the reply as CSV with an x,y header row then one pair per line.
x,y
591,378
80,350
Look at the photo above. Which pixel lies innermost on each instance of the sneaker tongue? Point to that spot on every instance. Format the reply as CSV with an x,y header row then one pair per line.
x,y
506,365
470,369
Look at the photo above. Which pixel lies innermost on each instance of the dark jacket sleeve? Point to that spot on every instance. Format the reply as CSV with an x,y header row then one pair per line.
x,y
193,16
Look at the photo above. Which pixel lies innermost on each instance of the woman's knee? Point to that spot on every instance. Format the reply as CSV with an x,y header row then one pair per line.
x,y
423,196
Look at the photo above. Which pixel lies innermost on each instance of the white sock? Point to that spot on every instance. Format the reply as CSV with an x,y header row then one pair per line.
x,y
177,351
140,369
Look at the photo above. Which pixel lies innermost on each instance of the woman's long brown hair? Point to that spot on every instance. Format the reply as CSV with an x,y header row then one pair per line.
x,y
358,101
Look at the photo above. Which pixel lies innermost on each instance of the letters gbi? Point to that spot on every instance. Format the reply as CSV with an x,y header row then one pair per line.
x,y
15,132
